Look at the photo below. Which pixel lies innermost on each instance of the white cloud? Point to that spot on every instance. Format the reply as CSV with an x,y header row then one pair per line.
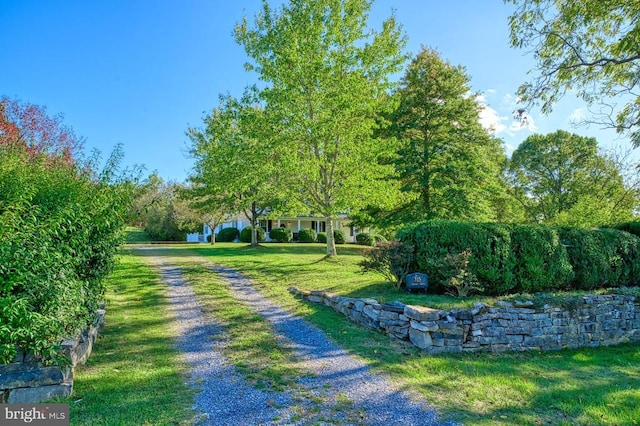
x,y
576,116
491,120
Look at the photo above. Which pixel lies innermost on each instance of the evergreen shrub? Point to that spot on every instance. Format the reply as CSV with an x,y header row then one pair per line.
x,y
307,236
365,239
339,236
227,235
322,237
281,235
245,234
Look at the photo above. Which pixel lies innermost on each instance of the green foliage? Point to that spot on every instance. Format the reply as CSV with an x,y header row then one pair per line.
x,y
322,237
60,226
245,234
492,261
378,238
562,179
339,236
281,235
630,227
587,48
365,239
602,257
326,75
309,236
459,281
393,260
447,165
227,235
525,258
542,262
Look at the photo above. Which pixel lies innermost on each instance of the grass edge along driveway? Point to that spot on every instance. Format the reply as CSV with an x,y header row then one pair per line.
x,y
590,386
134,375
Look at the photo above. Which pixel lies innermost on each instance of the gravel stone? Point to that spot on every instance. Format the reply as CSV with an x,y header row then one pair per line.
x,y
352,394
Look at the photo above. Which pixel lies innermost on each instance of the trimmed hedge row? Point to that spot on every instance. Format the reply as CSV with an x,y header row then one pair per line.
x,y
508,258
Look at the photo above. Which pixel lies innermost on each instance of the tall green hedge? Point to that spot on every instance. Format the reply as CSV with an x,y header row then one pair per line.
x,y
527,258
602,257
60,227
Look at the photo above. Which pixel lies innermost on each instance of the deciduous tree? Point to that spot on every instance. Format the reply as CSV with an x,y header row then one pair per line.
x,y
562,178
585,47
325,74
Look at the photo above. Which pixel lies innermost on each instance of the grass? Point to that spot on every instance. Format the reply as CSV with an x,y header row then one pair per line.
x,y
573,387
133,376
137,235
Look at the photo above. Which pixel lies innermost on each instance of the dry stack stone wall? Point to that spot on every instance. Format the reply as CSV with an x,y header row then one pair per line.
x,y
28,380
594,321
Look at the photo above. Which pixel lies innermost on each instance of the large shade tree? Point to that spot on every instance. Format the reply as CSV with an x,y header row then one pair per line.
x,y
446,162
562,178
585,47
236,163
325,76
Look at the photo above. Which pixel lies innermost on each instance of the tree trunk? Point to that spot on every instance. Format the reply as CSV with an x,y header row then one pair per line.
x,y
331,243
212,226
254,226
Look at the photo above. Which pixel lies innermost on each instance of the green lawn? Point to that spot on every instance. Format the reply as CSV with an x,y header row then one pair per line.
x,y
133,376
584,387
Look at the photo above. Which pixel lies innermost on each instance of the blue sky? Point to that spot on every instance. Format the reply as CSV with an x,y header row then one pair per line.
x,y
140,72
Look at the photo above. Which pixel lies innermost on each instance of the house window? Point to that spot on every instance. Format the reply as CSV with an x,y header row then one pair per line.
x,y
267,225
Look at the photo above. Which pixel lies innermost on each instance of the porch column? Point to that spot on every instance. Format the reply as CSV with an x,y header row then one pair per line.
x,y
298,225
278,223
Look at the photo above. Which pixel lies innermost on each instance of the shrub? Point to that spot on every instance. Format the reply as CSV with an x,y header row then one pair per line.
x,y
227,235
630,227
60,227
307,236
322,237
393,260
542,262
281,235
339,236
245,234
458,279
492,261
602,257
365,239
379,238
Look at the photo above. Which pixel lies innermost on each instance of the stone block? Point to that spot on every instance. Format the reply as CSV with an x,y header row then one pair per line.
x,y
421,313
420,339
39,377
39,394
389,315
370,312
358,305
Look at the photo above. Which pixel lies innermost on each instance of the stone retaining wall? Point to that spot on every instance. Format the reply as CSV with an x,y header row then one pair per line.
x,y
27,380
595,321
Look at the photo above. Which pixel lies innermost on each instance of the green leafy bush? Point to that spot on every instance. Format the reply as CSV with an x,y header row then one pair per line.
x,y
630,227
322,237
365,239
602,257
227,235
339,236
307,236
393,260
379,238
60,226
459,281
492,261
542,262
245,235
281,235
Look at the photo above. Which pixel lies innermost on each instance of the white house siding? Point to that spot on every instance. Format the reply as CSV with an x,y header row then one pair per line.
x,y
294,223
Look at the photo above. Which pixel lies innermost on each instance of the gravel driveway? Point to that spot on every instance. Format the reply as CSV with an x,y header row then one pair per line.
x,y
225,398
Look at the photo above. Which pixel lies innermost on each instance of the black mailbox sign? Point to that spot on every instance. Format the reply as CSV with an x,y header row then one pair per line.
x,y
417,281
